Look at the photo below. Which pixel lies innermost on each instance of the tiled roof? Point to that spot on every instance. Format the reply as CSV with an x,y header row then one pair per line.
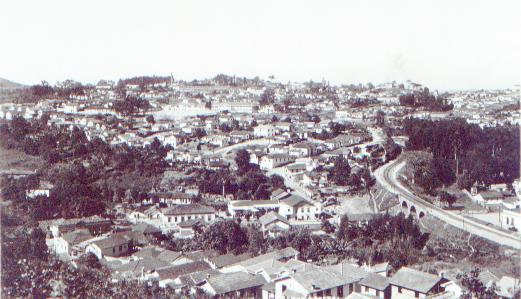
x,y
414,280
228,259
176,271
375,281
112,241
229,282
77,236
271,217
189,209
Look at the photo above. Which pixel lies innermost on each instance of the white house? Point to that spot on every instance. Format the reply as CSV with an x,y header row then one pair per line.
x,y
180,213
410,283
275,160
264,131
299,208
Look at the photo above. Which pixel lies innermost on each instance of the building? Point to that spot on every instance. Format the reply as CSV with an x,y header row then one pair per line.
x,y
68,244
234,285
273,223
180,213
299,208
243,206
44,188
112,246
410,283
264,131
376,285
511,218
275,160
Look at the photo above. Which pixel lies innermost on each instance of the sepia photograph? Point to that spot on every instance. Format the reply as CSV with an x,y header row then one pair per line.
x,y
358,149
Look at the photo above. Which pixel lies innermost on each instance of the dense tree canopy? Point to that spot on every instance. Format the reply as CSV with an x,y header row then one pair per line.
x,y
489,155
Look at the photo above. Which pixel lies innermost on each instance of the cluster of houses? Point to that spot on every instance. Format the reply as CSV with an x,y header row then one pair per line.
x,y
505,199
129,254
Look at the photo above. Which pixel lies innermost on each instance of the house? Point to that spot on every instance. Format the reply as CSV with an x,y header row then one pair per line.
x,y
511,218
376,285
239,136
171,198
283,126
275,160
303,149
264,131
273,223
243,206
279,194
181,213
94,224
188,228
485,198
113,246
508,287
236,284
224,260
315,282
410,283
44,188
169,275
141,269
68,243
299,208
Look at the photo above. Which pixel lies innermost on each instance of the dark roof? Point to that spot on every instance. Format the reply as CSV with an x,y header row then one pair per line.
x,y
146,264
229,282
294,200
375,281
271,217
414,280
77,236
183,269
145,228
228,259
189,209
112,241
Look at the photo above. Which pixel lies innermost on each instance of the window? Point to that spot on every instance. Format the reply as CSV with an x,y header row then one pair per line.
x,y
328,293
350,288
308,210
113,250
399,290
120,247
377,293
340,291
320,294
416,294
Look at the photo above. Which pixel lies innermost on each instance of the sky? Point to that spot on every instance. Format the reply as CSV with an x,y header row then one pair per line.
x,y
444,44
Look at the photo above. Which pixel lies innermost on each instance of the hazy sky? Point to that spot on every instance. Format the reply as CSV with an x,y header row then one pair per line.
x,y
445,44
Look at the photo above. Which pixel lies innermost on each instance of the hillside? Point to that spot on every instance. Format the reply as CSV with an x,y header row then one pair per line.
x,y
9,85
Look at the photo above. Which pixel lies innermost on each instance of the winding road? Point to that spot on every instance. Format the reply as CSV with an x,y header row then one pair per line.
x,y
387,176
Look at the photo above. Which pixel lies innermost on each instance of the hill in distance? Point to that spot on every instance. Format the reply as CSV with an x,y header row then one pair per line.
x,y
9,85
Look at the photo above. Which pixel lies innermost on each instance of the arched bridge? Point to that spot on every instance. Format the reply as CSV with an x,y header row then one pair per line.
x,y
411,208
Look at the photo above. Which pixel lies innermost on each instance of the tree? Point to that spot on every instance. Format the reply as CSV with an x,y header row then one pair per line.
x,y
446,197
256,242
242,159
225,236
267,97
340,172
380,118
475,287
343,232
327,227
150,119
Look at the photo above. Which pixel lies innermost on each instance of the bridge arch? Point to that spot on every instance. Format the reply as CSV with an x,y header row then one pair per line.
x,y
413,210
421,215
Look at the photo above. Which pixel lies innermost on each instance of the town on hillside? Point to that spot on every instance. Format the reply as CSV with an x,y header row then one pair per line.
x,y
234,187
